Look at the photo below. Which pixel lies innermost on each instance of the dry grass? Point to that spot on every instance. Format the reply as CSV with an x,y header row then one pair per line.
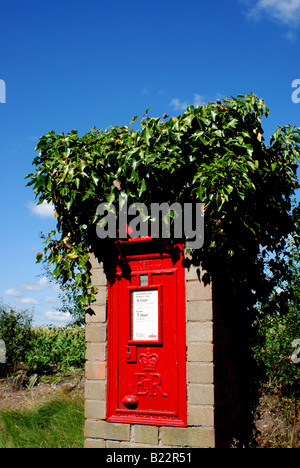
x,y
277,420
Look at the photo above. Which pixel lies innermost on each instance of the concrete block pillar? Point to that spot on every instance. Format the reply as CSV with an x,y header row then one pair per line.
x,y
213,401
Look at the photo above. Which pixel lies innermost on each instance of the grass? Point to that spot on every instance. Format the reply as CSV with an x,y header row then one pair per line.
x,y
55,423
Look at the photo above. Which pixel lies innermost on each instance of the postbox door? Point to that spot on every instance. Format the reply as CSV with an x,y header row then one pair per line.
x,y
147,353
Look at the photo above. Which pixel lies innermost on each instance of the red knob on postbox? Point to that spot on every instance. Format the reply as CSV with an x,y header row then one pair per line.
x,y
130,401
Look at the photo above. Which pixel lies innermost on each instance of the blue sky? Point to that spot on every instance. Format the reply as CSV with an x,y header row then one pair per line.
x,y
78,64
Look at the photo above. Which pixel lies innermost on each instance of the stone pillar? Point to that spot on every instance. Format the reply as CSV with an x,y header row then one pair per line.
x,y
200,368
212,395
96,352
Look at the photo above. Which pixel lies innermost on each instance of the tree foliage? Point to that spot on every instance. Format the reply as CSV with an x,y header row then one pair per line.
x,y
278,324
59,348
215,154
15,331
278,338
39,348
68,293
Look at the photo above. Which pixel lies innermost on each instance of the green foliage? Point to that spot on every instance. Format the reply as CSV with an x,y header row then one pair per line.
x,y
274,348
278,324
40,348
69,292
16,332
60,348
57,423
213,154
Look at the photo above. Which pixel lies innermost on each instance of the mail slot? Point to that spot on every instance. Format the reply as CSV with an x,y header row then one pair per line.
x,y
146,335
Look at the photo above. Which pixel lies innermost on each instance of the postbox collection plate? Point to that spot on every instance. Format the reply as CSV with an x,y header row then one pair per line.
x,y
145,315
146,342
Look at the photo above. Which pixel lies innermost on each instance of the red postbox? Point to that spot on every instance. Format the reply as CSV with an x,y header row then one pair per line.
x,y
146,335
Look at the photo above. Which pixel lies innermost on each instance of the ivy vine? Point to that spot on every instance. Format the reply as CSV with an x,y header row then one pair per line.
x,y
215,154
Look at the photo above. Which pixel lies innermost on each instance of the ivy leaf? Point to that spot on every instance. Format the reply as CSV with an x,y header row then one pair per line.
x,y
143,187
146,135
95,179
56,272
134,119
81,299
39,257
111,198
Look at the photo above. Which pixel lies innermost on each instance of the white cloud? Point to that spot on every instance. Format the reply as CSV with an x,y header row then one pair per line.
x,y
36,286
50,300
44,210
198,100
284,11
28,300
146,90
33,287
15,292
58,316
178,104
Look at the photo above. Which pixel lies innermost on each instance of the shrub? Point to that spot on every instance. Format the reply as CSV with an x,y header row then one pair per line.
x,y
57,347
16,332
274,348
40,348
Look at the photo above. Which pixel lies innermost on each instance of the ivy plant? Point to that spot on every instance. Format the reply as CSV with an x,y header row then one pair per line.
x,y
214,154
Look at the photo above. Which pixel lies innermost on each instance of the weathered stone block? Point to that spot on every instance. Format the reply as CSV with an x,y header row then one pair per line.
x,y
200,352
95,351
196,291
105,430
200,394
95,390
98,277
96,313
95,333
200,415
95,409
95,370
200,373
193,273
100,296
192,436
199,311
145,434
95,262
112,444
94,443
199,331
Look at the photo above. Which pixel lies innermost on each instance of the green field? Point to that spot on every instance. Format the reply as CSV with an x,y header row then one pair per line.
x,y
55,423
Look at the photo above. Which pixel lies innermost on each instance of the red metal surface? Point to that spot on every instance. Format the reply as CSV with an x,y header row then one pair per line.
x,y
147,378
